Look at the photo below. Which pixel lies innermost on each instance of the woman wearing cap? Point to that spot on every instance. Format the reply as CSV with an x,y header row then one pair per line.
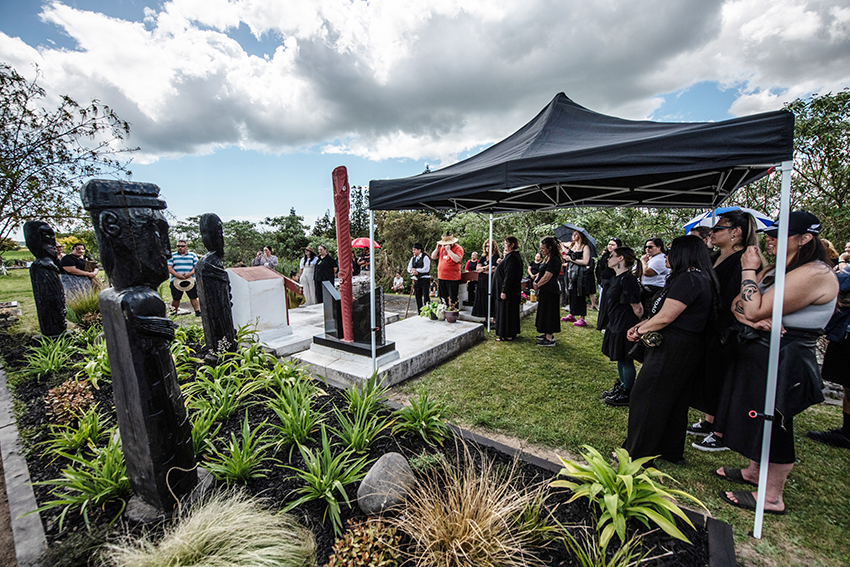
x,y
306,274
810,295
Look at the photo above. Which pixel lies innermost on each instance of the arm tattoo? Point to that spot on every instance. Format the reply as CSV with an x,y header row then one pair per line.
x,y
739,308
748,289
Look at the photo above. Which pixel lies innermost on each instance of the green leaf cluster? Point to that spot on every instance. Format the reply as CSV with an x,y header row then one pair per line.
x,y
49,355
423,416
89,429
625,493
242,459
367,544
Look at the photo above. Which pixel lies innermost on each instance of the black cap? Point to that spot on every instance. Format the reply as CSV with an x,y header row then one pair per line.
x,y
418,246
799,222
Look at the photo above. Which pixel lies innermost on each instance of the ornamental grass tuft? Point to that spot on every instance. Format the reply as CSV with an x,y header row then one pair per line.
x,y
227,529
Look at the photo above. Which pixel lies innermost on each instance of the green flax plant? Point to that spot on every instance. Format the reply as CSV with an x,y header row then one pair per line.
x,y
326,477
359,428
189,334
423,416
589,553
95,366
627,492
90,482
298,419
245,459
89,430
252,359
369,396
285,374
49,356
204,429
222,389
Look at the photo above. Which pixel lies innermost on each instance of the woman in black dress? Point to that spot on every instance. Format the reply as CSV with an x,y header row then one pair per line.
x,y
581,283
486,271
604,275
507,284
658,412
546,285
622,311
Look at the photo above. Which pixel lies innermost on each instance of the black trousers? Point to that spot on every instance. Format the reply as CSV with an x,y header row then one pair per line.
x,y
420,289
448,290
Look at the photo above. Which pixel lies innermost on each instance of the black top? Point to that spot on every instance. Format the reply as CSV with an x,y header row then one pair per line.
x,y
693,288
535,268
603,272
554,267
728,274
622,291
325,269
485,261
72,261
509,276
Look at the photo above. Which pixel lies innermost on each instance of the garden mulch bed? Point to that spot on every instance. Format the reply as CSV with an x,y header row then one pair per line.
x,y
74,544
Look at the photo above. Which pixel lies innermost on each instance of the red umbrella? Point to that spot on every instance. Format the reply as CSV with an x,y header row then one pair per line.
x,y
362,242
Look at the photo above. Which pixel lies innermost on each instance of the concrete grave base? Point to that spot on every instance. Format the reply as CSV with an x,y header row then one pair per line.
x,y
421,344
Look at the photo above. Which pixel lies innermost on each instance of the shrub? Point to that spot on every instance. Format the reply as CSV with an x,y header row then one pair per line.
x,y
358,431
242,460
368,396
298,420
624,493
69,399
464,514
425,461
91,320
423,416
90,429
95,366
326,477
189,334
366,544
227,529
80,303
589,553
221,389
89,483
203,431
49,356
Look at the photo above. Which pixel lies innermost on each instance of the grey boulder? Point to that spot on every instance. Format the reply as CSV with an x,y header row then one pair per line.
x,y
386,484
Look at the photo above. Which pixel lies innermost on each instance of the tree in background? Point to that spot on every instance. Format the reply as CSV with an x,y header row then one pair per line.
x,y
288,235
242,241
396,232
358,216
190,231
325,226
7,245
45,155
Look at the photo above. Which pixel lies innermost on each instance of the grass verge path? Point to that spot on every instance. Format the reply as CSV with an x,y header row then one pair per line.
x,y
551,397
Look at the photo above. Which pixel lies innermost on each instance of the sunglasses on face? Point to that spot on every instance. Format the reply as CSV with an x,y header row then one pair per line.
x,y
649,246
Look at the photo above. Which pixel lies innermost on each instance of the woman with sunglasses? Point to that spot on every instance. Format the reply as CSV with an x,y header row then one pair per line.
x,y
733,232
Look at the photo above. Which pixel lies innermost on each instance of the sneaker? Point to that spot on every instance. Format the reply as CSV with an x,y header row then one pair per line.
x,y
197,313
580,323
711,443
545,342
834,437
701,427
619,399
568,318
617,387
538,337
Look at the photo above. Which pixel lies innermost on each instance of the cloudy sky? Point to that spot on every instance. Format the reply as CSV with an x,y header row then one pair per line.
x,y
244,107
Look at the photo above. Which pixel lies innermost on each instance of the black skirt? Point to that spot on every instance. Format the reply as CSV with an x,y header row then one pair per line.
x,y
616,346
835,363
658,409
479,308
507,317
548,313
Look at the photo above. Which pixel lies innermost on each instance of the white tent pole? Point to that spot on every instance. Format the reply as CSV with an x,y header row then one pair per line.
x,y
489,269
775,336
372,286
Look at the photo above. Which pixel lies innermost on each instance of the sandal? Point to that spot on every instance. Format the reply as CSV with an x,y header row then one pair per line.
x,y
733,475
747,501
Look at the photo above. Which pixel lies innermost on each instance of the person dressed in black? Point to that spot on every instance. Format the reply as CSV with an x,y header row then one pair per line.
x,y
658,410
534,267
507,284
486,271
326,269
470,266
548,319
419,269
578,264
604,275
622,311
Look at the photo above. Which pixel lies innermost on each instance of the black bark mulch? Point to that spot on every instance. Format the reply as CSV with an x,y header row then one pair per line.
x,y
76,545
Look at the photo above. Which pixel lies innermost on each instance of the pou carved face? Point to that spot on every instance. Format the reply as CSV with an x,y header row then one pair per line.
x,y
40,239
212,233
135,248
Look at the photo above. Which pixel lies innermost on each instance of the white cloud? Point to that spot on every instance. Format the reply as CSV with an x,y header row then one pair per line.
x,y
407,78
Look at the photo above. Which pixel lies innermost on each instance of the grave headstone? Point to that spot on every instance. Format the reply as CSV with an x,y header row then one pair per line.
x,y
259,299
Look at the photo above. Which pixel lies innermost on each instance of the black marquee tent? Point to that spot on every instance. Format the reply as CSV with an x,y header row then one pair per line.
x,y
569,156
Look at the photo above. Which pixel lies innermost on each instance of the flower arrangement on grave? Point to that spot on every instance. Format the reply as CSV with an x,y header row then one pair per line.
x,y
430,310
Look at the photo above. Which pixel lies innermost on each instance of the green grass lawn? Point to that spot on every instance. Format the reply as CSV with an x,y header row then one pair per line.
x,y
551,396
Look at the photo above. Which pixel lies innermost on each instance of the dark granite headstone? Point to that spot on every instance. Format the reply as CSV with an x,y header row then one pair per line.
x,y
214,288
332,308
44,276
363,322
156,434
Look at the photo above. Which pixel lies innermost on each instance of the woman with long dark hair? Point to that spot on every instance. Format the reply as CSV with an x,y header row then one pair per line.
x,y
546,285
486,269
731,235
658,411
604,274
811,288
581,283
507,289
621,311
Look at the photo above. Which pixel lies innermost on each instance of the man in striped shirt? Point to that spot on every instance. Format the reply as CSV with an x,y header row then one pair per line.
x,y
181,266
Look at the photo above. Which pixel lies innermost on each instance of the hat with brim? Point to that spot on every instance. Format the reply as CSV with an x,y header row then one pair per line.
x,y
799,222
184,285
310,248
447,239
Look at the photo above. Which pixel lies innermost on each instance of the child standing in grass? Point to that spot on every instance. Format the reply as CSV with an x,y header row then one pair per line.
x,y
622,309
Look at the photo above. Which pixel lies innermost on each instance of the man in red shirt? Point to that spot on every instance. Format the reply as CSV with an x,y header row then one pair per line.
x,y
450,256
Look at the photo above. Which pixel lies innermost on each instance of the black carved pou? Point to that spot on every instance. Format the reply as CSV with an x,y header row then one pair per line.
x,y
44,276
156,435
214,288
